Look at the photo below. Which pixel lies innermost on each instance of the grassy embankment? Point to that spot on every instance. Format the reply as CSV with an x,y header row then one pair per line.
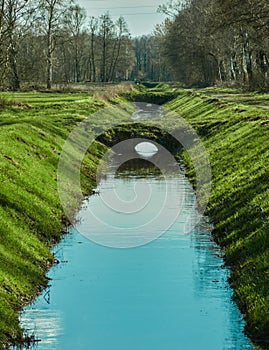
x,y
236,137
31,138
32,133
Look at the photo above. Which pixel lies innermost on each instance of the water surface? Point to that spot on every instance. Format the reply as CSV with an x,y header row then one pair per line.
x,y
170,294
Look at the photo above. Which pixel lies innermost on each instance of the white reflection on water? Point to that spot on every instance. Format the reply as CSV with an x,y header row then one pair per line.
x,y
46,322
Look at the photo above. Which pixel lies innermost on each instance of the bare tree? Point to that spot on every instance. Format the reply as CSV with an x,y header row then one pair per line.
x,y
106,35
75,19
14,17
52,15
121,32
93,28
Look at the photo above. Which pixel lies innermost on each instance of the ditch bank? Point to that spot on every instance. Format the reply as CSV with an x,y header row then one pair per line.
x,y
236,138
32,133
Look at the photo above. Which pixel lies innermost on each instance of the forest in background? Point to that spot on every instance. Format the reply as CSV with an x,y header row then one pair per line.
x,y
201,43
224,41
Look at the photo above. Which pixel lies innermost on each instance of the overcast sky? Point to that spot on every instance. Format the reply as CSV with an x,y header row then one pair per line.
x,y
141,15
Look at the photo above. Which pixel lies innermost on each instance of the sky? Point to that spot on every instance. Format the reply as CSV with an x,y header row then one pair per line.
x,y
140,15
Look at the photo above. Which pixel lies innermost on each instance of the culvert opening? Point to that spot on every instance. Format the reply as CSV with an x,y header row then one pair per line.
x,y
140,133
146,149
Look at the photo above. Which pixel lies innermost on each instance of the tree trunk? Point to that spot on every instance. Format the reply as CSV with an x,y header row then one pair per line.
x,y
49,50
233,73
49,69
93,68
77,64
2,16
114,59
246,62
15,81
103,62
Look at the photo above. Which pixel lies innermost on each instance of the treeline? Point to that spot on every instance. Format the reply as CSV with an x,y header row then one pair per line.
x,y
209,41
202,42
53,41
46,42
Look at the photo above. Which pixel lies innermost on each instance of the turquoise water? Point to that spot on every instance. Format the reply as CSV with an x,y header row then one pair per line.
x,y
170,294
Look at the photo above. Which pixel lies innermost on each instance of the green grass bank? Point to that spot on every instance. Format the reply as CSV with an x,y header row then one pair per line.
x,y
33,129
236,137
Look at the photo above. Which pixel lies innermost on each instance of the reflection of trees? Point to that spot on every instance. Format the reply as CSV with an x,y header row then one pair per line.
x,y
138,167
211,282
207,264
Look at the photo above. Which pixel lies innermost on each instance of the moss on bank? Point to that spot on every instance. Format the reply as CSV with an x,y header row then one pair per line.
x,y
236,138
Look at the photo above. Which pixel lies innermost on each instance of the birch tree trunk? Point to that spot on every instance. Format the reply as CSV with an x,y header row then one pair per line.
x,y
93,28
49,57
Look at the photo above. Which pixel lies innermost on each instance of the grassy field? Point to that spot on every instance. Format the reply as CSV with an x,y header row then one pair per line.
x,y
33,128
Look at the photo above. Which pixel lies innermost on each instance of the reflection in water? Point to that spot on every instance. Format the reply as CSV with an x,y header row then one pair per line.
x,y
211,279
171,294
146,169
44,322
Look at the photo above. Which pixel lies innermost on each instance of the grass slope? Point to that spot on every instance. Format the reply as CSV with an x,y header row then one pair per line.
x,y
32,133
236,138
